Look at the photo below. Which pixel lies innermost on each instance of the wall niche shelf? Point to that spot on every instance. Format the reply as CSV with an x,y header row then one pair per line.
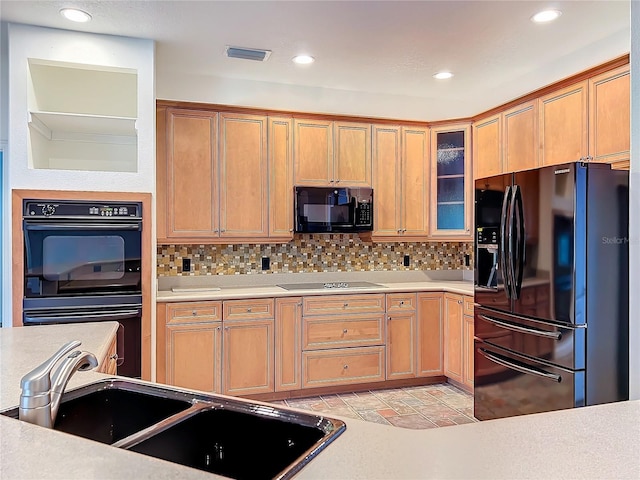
x,y
82,117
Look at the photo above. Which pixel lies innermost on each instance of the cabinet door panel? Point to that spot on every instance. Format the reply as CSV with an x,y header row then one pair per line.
x,y
401,358
352,162
415,181
191,174
313,159
280,177
609,116
193,352
563,125
521,137
288,354
387,156
453,333
248,357
429,334
487,147
243,175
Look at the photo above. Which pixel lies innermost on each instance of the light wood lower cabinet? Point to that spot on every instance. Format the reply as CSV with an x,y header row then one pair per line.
x,y
110,363
322,368
401,335
429,334
453,333
288,350
247,346
467,369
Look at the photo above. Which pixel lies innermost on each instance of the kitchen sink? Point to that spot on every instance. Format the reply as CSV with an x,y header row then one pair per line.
x,y
231,437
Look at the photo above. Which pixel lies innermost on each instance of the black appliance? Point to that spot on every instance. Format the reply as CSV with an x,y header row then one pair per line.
x,y
333,210
551,290
82,263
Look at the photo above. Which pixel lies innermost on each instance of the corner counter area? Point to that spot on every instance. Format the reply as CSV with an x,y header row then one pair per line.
x,y
583,443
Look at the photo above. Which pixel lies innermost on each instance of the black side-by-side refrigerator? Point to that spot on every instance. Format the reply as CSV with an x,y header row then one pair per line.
x,y
551,290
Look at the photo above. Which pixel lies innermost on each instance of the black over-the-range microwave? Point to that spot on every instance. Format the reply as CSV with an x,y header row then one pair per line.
x,y
333,210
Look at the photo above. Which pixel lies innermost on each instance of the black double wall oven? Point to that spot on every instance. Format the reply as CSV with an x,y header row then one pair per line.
x,y
83,264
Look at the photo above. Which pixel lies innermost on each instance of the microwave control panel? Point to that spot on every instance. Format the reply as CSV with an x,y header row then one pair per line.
x,y
363,214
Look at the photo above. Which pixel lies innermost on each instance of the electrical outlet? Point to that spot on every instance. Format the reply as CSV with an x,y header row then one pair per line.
x,y
467,260
406,260
266,263
186,264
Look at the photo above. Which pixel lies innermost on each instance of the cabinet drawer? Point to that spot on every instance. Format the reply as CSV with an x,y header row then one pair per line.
x,y
334,304
397,302
194,312
468,305
248,309
335,331
343,366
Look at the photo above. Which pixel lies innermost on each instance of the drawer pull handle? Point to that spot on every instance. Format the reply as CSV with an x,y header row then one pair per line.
x,y
344,331
345,367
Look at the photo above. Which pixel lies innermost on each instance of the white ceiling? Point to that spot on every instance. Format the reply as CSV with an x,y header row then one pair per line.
x,y
382,51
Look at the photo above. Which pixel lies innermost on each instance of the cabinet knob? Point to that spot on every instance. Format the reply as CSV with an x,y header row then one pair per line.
x,y
249,310
113,357
337,181
194,313
459,302
217,329
346,305
331,181
226,328
344,331
291,230
345,367
222,230
401,302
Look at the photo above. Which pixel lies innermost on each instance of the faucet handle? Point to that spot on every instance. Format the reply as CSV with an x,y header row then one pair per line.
x,y
39,379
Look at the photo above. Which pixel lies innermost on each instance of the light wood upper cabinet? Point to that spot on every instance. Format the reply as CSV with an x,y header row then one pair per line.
x,y
288,351
415,181
280,159
563,125
387,184
451,183
352,162
243,175
453,337
332,153
429,334
401,182
609,116
520,137
313,152
190,170
487,147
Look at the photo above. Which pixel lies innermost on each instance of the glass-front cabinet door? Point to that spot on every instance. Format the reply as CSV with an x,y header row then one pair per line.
x,y
451,183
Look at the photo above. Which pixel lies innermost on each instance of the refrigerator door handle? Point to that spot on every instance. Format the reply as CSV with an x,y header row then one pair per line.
x,y
521,329
504,226
518,258
519,367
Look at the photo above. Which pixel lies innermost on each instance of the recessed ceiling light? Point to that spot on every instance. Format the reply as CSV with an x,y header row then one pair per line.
x,y
442,75
546,16
303,59
75,15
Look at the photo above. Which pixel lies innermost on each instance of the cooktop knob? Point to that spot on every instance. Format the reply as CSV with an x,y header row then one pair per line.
x,y
48,210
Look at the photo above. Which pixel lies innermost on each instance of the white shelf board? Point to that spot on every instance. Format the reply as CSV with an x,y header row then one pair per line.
x,y
82,127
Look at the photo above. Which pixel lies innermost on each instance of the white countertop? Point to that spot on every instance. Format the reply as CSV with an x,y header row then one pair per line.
x,y
601,442
239,292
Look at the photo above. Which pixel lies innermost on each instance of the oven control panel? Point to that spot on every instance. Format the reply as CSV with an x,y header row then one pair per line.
x,y
65,209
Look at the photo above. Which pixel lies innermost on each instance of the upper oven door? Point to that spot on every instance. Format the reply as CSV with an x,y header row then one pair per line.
x,y
64,258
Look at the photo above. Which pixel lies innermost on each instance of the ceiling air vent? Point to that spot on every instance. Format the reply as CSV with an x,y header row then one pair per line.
x,y
248,53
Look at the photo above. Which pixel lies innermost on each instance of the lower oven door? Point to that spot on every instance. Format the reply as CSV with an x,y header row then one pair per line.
x,y
129,330
507,384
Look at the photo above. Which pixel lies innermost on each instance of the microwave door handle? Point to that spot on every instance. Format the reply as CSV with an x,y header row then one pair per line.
x,y
504,224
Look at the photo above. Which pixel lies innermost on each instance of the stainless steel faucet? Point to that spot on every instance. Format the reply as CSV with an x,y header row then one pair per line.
x,y
41,391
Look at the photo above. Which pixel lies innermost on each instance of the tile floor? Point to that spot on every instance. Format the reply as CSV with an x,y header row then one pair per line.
x,y
429,406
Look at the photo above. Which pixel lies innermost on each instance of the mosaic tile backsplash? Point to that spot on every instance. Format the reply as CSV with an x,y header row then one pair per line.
x,y
313,253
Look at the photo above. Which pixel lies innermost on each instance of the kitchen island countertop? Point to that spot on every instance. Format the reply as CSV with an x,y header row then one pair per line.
x,y
600,442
